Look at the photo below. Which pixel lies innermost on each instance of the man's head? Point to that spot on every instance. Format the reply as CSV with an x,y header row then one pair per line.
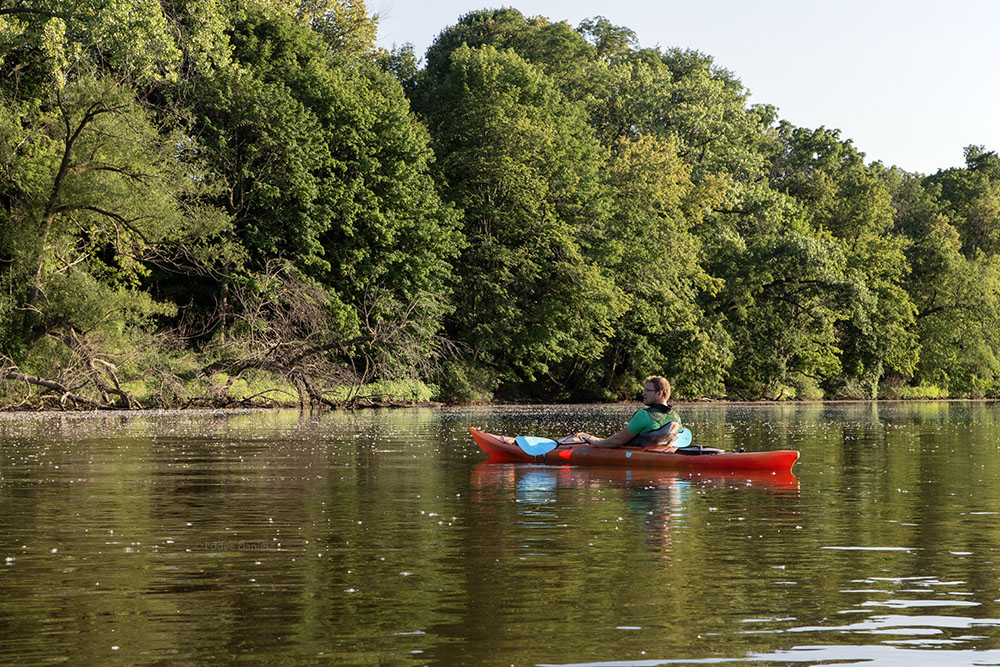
x,y
655,390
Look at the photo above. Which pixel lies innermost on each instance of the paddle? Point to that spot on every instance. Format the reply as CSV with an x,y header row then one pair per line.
x,y
535,446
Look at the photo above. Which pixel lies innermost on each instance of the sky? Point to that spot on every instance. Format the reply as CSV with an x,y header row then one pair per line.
x,y
910,82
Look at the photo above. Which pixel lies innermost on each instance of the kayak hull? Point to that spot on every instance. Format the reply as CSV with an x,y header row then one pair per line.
x,y
503,448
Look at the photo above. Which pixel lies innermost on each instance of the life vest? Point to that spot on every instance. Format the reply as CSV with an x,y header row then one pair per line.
x,y
662,414
667,427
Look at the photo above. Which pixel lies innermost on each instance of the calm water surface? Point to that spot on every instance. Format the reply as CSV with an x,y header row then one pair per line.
x,y
382,538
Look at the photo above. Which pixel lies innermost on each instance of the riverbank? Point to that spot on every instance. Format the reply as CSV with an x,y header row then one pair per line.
x,y
256,391
239,407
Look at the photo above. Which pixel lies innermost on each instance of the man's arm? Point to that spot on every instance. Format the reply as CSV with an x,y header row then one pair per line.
x,y
622,437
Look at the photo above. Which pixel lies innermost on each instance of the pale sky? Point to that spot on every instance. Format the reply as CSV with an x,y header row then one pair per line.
x,y
911,82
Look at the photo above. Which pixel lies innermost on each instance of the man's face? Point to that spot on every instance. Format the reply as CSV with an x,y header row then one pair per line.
x,y
650,395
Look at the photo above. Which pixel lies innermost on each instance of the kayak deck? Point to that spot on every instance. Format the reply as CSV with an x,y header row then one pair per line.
x,y
503,448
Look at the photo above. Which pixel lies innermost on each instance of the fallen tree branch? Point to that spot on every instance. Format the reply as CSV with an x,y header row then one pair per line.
x,y
248,401
66,394
73,342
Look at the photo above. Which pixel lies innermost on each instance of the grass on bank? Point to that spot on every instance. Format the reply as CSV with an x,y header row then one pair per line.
x,y
253,388
262,388
159,377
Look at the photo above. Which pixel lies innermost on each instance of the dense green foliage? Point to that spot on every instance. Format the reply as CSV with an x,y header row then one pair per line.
x,y
201,195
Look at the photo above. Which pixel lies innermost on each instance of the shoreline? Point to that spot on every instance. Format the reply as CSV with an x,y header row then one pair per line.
x,y
233,410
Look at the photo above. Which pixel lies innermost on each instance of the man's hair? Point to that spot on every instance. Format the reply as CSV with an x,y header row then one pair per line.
x,y
661,385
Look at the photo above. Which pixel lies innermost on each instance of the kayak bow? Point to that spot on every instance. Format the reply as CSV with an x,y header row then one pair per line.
x,y
504,448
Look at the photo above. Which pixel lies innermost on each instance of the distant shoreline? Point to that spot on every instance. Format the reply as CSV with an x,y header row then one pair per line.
x,y
152,412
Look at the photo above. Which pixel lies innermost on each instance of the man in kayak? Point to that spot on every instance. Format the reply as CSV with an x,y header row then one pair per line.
x,y
657,417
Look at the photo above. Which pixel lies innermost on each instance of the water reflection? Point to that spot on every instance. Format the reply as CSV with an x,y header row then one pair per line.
x,y
489,474
654,501
384,538
883,655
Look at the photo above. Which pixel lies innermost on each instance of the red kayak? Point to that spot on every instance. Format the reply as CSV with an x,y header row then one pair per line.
x,y
504,448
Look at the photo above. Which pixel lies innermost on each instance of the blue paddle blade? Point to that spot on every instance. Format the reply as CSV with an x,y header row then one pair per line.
x,y
535,446
683,438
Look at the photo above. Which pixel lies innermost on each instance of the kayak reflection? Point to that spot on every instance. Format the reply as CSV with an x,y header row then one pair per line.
x,y
536,498
490,474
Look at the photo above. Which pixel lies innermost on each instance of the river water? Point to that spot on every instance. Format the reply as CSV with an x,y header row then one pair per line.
x,y
382,537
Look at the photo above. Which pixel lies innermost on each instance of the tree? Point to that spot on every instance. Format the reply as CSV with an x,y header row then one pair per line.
x,y
322,165
654,207
852,202
96,197
637,105
129,155
785,292
956,296
612,42
555,48
972,196
520,162
46,42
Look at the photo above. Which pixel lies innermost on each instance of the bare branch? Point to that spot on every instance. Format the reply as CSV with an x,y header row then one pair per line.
x,y
66,394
